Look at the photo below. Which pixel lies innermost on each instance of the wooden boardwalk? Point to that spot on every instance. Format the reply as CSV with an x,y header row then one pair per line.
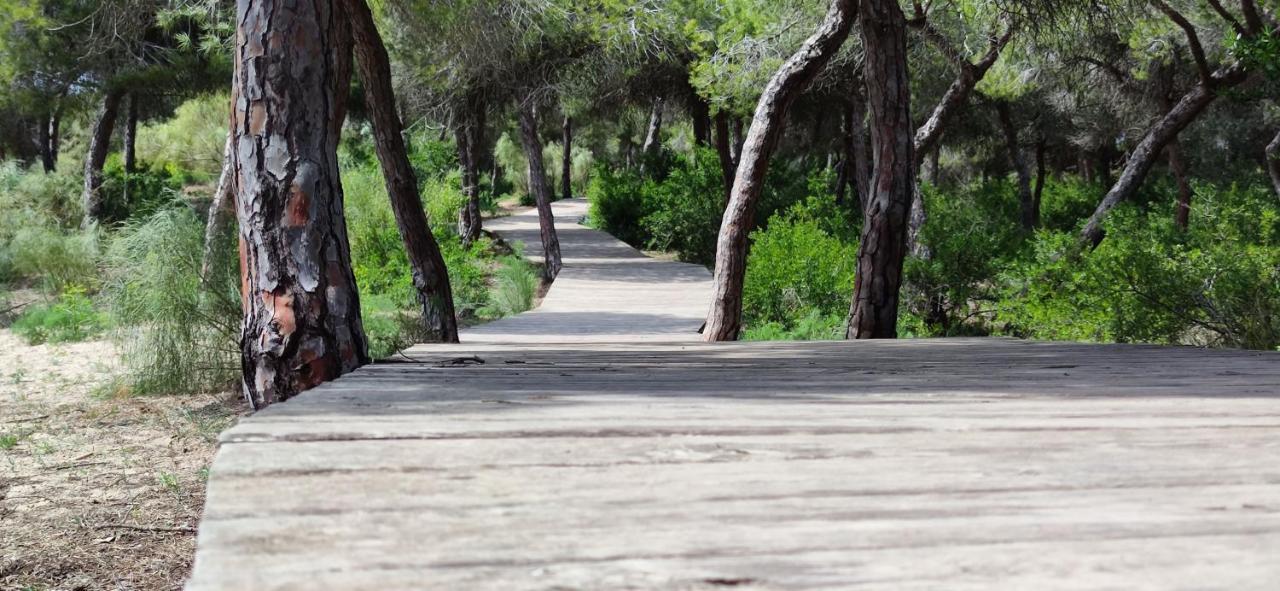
x,y
597,456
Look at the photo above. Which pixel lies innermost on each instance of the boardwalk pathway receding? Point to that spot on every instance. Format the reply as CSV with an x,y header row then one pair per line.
x,y
596,444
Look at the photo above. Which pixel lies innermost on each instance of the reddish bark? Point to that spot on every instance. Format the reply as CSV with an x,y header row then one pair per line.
x,y
541,190
96,157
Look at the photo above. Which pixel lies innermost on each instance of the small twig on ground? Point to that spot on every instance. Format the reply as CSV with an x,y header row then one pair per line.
x,y
176,530
76,465
27,419
461,361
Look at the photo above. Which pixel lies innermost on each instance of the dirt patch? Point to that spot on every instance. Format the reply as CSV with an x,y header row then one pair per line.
x,y
98,490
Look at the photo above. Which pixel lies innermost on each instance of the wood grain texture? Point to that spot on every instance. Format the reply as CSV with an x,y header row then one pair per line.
x,y
590,457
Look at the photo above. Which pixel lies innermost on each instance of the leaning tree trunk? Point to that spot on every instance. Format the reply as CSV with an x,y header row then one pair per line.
x,y
130,135
883,246
1272,156
44,134
724,320
466,133
1144,156
566,164
302,321
96,157
430,276
540,189
220,209
1019,162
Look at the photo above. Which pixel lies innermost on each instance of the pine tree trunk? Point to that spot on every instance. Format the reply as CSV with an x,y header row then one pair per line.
x,y
738,139
43,136
220,209
653,135
701,115
130,136
883,246
566,165
466,132
724,320
55,137
1019,162
430,276
541,190
96,157
302,321
1178,166
1144,156
857,163
1041,171
724,150
1272,157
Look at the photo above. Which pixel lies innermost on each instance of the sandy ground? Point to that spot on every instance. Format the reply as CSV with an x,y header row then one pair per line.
x,y
98,490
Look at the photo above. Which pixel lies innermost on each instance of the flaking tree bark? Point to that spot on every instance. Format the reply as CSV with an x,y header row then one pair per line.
x,y
724,320
528,120
1178,166
724,151
430,276
96,157
129,138
653,134
302,321
883,247
220,209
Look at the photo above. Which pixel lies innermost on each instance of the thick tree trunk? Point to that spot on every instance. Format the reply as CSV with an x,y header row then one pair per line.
x,y
130,136
857,162
96,157
540,189
724,150
1145,154
1272,157
883,247
653,134
466,133
302,321
566,164
1178,166
1019,162
724,320
220,209
430,276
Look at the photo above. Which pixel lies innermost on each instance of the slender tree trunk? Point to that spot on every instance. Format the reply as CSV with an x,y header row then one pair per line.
x,y
1178,166
701,115
1145,154
55,135
738,138
1019,162
566,165
47,158
430,276
220,209
724,150
466,131
540,189
1272,157
653,135
857,167
302,321
724,320
883,246
130,136
1041,150
96,157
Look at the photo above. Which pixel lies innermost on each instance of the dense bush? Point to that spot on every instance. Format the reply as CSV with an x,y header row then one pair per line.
x,y
1217,283
191,142
140,193
56,259
179,334
72,317
798,270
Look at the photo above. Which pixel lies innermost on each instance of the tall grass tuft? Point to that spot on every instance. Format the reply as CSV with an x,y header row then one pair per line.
x,y
178,335
515,285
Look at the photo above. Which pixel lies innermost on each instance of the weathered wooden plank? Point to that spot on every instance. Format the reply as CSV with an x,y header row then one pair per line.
x,y
599,445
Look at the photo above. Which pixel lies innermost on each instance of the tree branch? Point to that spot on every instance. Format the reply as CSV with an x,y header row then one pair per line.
x,y
1193,41
1226,16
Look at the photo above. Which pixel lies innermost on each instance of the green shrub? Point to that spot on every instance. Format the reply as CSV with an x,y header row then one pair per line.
x,y
1067,202
616,200
811,325
58,260
971,234
191,141
508,154
178,335
139,193
71,318
432,158
1217,283
685,209
388,326
797,268
515,286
